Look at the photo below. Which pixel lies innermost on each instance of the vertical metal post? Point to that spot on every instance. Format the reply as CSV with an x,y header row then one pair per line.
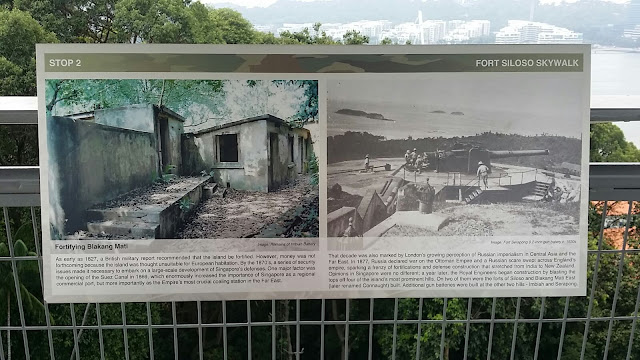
x,y
395,329
124,331
542,308
298,330
100,338
16,283
76,349
200,341
2,347
370,356
633,325
224,329
564,326
491,325
150,331
346,329
273,329
47,316
618,279
420,303
175,330
444,328
322,316
515,329
249,356
594,281
468,326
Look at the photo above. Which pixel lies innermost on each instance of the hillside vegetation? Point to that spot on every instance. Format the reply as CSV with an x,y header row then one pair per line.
x,y
355,145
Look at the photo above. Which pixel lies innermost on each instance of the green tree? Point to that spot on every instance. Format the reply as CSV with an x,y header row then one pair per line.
x,y
19,33
231,28
353,37
306,36
73,20
386,41
308,108
221,26
178,95
608,144
161,21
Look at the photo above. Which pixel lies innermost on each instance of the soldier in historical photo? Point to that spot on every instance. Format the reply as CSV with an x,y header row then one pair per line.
x,y
453,159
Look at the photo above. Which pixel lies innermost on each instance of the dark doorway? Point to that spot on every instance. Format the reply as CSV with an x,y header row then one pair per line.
x,y
165,159
301,154
274,159
290,138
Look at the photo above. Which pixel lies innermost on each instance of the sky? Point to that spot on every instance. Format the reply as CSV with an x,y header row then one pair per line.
x,y
265,3
631,131
521,103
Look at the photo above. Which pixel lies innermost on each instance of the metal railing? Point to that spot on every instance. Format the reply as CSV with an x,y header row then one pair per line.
x,y
601,325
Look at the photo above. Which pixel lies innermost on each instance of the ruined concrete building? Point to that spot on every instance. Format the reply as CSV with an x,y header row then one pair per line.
x,y
100,155
258,153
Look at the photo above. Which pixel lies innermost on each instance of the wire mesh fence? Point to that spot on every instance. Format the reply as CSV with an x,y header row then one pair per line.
x,y
601,325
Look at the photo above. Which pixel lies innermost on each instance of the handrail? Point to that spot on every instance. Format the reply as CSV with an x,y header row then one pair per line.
x,y
468,187
19,186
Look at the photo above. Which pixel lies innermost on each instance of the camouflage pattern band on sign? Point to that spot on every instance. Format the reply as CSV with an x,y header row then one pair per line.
x,y
309,63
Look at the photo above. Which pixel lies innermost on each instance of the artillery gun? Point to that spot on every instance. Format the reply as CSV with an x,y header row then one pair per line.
x,y
465,158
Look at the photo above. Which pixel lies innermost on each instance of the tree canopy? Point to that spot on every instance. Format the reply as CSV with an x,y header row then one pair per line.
x,y
19,33
201,102
608,144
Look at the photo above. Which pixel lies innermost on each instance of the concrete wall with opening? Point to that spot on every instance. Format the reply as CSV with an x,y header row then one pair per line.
x,y
92,163
237,155
288,153
133,117
259,153
167,126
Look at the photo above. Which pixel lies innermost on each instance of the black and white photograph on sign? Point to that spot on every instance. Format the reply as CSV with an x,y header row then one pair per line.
x,y
182,159
466,155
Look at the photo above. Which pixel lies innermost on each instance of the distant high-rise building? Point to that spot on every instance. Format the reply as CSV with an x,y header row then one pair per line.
x,y
434,31
632,33
633,16
508,37
454,24
264,28
418,32
529,32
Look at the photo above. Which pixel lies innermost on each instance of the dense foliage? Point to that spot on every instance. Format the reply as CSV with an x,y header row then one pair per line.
x,y
608,144
203,103
27,22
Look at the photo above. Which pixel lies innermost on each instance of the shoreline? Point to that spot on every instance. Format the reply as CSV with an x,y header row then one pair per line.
x,y
613,50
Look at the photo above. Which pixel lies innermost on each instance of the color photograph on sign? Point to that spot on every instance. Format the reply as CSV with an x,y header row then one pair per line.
x,y
183,159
